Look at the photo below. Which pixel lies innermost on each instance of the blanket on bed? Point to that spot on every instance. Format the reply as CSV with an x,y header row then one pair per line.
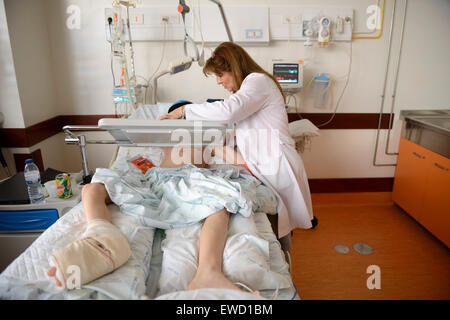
x,y
167,198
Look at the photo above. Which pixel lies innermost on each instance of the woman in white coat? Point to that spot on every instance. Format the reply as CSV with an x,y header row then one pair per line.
x,y
257,106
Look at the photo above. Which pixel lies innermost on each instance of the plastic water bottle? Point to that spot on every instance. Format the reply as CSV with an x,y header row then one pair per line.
x,y
33,181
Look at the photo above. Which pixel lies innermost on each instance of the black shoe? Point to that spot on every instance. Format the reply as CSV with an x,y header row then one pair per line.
x,y
314,222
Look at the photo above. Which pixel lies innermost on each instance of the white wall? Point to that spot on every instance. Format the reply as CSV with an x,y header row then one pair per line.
x,y
32,59
9,93
80,67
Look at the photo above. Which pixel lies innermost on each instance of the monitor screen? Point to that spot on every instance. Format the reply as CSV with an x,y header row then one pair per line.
x,y
286,73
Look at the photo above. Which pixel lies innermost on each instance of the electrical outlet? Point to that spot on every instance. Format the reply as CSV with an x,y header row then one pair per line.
x,y
170,19
291,19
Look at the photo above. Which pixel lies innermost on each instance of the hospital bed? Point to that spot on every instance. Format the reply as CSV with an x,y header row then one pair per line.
x,y
163,262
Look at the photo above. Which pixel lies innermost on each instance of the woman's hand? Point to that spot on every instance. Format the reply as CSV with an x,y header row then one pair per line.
x,y
175,114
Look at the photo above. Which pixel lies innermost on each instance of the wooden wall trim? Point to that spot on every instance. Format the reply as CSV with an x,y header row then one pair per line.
x,y
27,137
14,138
19,159
42,130
89,120
344,120
351,185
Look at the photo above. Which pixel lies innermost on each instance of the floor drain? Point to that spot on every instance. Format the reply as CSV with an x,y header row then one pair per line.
x,y
341,248
362,248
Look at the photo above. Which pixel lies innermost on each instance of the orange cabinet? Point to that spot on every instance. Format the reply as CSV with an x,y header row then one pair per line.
x,y
410,177
435,215
422,188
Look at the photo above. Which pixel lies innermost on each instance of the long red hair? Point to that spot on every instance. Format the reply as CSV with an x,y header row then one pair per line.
x,y
230,57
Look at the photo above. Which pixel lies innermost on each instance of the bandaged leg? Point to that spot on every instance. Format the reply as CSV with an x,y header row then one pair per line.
x,y
102,249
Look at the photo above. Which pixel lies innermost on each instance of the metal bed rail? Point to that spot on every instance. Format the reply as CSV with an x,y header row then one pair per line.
x,y
81,141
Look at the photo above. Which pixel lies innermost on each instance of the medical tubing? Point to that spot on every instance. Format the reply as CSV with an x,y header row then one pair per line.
x,y
127,84
187,38
395,84
388,58
124,64
162,52
112,52
147,83
295,102
201,59
155,85
224,18
345,86
131,45
199,21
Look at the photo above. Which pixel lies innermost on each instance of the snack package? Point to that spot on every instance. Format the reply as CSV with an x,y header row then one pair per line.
x,y
142,164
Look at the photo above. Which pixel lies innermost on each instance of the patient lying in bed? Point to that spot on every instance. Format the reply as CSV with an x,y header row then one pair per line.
x,y
103,248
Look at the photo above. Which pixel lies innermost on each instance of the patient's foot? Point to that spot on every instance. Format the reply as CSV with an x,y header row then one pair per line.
x,y
102,249
210,279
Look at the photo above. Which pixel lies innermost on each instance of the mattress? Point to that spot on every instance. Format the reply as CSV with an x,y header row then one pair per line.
x,y
147,274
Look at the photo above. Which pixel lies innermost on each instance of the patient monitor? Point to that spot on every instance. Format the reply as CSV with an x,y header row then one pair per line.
x,y
289,74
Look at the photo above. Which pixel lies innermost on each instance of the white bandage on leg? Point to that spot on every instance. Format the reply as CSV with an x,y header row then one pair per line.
x,y
102,249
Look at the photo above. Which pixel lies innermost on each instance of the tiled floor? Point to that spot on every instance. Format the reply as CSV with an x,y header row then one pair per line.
x,y
413,264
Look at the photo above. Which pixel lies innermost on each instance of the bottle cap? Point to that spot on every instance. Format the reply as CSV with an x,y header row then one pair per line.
x,y
28,161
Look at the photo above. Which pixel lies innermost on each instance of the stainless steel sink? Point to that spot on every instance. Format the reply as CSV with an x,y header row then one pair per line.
x,y
420,113
428,128
442,122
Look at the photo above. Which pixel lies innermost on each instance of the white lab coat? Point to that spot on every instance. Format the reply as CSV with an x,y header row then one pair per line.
x,y
258,109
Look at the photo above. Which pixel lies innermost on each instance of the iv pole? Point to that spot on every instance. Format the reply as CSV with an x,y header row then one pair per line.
x,y
183,9
225,22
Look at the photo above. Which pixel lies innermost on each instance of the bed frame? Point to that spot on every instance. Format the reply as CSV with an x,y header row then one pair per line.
x,y
148,133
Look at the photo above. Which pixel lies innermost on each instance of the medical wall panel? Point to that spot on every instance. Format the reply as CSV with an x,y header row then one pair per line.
x,y
248,25
292,22
152,23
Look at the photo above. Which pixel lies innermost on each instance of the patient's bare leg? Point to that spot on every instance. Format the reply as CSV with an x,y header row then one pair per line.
x,y
212,243
101,249
94,200
229,155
